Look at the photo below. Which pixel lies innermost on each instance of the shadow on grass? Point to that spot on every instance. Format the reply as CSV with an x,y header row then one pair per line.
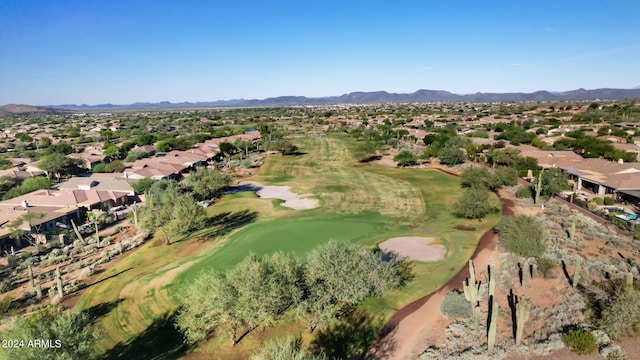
x,y
102,309
224,223
352,336
160,341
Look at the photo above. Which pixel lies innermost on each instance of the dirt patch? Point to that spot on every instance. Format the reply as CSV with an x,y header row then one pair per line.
x,y
291,200
465,228
414,248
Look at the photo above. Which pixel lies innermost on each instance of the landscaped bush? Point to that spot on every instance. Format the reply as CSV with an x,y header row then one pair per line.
x,y
620,223
523,235
591,205
598,200
454,305
608,200
581,342
524,192
622,315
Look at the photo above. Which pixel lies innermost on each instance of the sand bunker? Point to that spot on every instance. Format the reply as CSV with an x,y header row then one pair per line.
x,y
291,200
414,248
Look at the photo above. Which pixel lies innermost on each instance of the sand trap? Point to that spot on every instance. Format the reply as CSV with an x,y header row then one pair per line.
x,y
414,248
291,200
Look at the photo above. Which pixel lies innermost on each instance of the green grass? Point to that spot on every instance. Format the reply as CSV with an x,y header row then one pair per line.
x,y
362,204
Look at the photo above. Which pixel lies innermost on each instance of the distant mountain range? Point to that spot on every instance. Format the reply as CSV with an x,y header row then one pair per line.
x,y
374,97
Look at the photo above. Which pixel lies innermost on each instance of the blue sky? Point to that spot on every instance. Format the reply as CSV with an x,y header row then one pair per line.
x,y
93,52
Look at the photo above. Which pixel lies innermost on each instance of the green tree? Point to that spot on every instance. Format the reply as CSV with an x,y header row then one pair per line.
x,y
477,176
554,180
58,164
342,274
405,158
254,293
505,176
116,166
170,211
476,203
134,155
206,183
75,332
141,186
62,147
451,155
27,186
113,152
508,157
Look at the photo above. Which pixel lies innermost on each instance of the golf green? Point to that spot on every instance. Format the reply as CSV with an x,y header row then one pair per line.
x,y
295,235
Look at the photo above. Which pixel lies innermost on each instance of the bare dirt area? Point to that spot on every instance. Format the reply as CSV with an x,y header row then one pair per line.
x,y
414,248
291,200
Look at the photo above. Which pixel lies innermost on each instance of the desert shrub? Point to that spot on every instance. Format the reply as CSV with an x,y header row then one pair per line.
x,y
454,305
523,235
592,205
621,316
608,200
598,201
53,244
545,265
105,242
5,304
581,342
13,260
86,272
41,249
524,192
612,352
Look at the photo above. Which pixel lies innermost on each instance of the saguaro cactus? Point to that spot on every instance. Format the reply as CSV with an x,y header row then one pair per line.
x,y
30,271
522,315
629,282
476,318
75,229
135,216
59,282
576,272
493,324
572,231
39,291
471,287
538,188
97,235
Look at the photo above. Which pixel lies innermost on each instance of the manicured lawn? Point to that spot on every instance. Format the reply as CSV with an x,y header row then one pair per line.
x,y
361,204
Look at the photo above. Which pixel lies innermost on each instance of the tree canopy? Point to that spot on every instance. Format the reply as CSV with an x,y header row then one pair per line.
x,y
476,203
207,183
73,330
